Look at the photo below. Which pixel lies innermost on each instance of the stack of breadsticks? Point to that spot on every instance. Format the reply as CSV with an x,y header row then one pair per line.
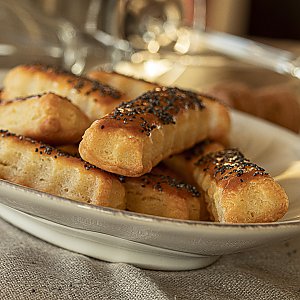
x,y
148,149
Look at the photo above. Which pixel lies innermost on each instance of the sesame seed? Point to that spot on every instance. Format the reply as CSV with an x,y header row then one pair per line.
x,y
163,103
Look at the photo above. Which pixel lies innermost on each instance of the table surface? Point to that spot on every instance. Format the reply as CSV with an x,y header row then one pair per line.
x,y
33,269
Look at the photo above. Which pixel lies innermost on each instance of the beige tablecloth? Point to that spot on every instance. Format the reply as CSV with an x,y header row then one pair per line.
x,y
33,269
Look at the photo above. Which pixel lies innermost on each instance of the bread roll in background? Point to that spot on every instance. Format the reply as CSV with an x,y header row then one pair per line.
x,y
278,104
237,95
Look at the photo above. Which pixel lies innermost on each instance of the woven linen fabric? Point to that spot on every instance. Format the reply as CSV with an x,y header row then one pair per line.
x,y
33,269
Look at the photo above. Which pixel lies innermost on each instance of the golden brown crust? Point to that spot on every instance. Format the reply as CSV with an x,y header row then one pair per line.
x,y
92,97
131,86
278,104
161,195
219,121
29,163
139,134
234,94
71,149
48,118
183,164
238,191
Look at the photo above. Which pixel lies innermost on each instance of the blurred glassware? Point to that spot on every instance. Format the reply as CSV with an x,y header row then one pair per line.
x,y
259,54
81,34
145,24
150,34
148,38
167,35
27,35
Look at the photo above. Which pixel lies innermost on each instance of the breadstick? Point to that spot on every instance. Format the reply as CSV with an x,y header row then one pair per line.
x,y
92,97
131,86
48,118
161,195
71,149
137,135
183,164
158,193
238,191
29,163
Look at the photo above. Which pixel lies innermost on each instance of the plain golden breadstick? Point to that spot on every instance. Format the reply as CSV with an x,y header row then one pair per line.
x,y
238,191
159,194
137,135
92,97
131,86
48,118
29,163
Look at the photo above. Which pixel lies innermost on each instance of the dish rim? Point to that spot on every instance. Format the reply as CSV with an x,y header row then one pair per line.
x,y
139,216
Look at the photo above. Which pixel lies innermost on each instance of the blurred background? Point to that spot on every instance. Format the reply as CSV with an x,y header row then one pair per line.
x,y
268,18
53,28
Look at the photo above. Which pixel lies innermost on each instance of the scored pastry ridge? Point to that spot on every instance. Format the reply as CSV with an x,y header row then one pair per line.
x,y
139,134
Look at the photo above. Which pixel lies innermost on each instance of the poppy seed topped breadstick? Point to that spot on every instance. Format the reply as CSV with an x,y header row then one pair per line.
x,y
138,134
92,97
237,190
157,193
44,168
183,164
